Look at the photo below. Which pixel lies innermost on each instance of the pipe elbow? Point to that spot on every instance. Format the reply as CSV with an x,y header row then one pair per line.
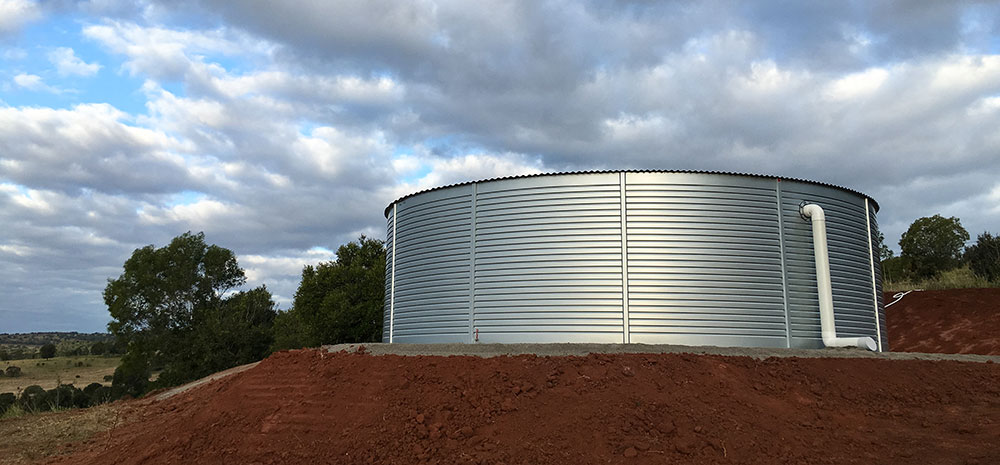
x,y
812,211
860,342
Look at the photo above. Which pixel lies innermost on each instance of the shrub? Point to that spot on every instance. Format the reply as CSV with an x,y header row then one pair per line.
x,y
99,348
62,396
6,400
34,399
48,350
894,269
13,371
984,257
97,393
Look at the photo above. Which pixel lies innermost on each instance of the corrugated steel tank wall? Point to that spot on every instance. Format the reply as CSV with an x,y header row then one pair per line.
x,y
700,259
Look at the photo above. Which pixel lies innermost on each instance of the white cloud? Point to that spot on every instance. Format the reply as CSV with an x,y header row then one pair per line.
x,y
14,14
32,82
35,83
15,53
163,53
89,146
468,167
857,85
68,64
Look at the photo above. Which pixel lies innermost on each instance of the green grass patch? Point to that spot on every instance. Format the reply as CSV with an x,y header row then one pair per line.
x,y
959,278
49,373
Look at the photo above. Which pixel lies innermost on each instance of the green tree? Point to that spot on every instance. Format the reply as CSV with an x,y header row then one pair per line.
x,y
933,244
894,269
169,311
984,257
884,252
340,301
98,348
4,355
290,331
235,332
48,350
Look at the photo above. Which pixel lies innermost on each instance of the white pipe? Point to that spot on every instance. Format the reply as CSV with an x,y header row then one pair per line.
x,y
899,296
824,286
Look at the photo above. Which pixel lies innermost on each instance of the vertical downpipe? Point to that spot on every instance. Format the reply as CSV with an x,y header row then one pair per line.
x,y
871,261
392,285
784,273
626,336
824,283
472,267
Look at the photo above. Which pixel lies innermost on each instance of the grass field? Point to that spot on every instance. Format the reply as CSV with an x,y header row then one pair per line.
x,y
32,438
48,373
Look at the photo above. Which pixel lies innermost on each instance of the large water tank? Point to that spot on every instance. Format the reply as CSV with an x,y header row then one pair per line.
x,y
667,257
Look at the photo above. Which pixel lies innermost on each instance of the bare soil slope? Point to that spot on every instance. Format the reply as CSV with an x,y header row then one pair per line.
x,y
954,321
353,408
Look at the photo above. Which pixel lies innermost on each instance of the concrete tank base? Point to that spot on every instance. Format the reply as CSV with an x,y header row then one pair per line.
x,y
557,350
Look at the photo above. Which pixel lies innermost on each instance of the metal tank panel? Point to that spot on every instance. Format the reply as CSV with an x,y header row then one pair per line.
x,y
704,260
548,264
649,257
431,267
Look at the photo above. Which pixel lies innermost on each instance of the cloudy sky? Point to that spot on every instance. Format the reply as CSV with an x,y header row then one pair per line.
x,y
283,131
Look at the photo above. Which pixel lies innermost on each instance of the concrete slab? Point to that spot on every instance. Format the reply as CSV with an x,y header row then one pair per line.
x,y
495,350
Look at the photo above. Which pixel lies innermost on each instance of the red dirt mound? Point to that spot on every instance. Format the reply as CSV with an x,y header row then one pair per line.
x,y
954,321
312,407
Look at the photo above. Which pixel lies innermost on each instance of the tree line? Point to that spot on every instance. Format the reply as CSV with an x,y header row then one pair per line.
x,y
933,245
50,350
176,311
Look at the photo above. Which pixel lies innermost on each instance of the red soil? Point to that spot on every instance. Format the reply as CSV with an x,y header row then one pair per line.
x,y
955,321
311,407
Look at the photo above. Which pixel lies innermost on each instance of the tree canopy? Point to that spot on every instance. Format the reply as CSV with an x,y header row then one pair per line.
x,y
933,244
338,301
984,257
170,310
47,350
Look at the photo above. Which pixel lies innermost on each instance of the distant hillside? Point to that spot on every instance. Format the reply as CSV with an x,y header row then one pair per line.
x,y
38,339
26,345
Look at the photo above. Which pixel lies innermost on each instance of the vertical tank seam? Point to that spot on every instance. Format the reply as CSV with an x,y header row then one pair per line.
x,y
784,273
626,337
472,264
392,291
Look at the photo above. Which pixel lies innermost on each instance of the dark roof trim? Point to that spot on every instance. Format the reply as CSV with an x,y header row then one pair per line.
x,y
749,175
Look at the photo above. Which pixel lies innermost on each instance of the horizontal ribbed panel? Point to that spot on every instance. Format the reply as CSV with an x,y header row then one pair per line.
x,y
548,260
696,271
432,264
